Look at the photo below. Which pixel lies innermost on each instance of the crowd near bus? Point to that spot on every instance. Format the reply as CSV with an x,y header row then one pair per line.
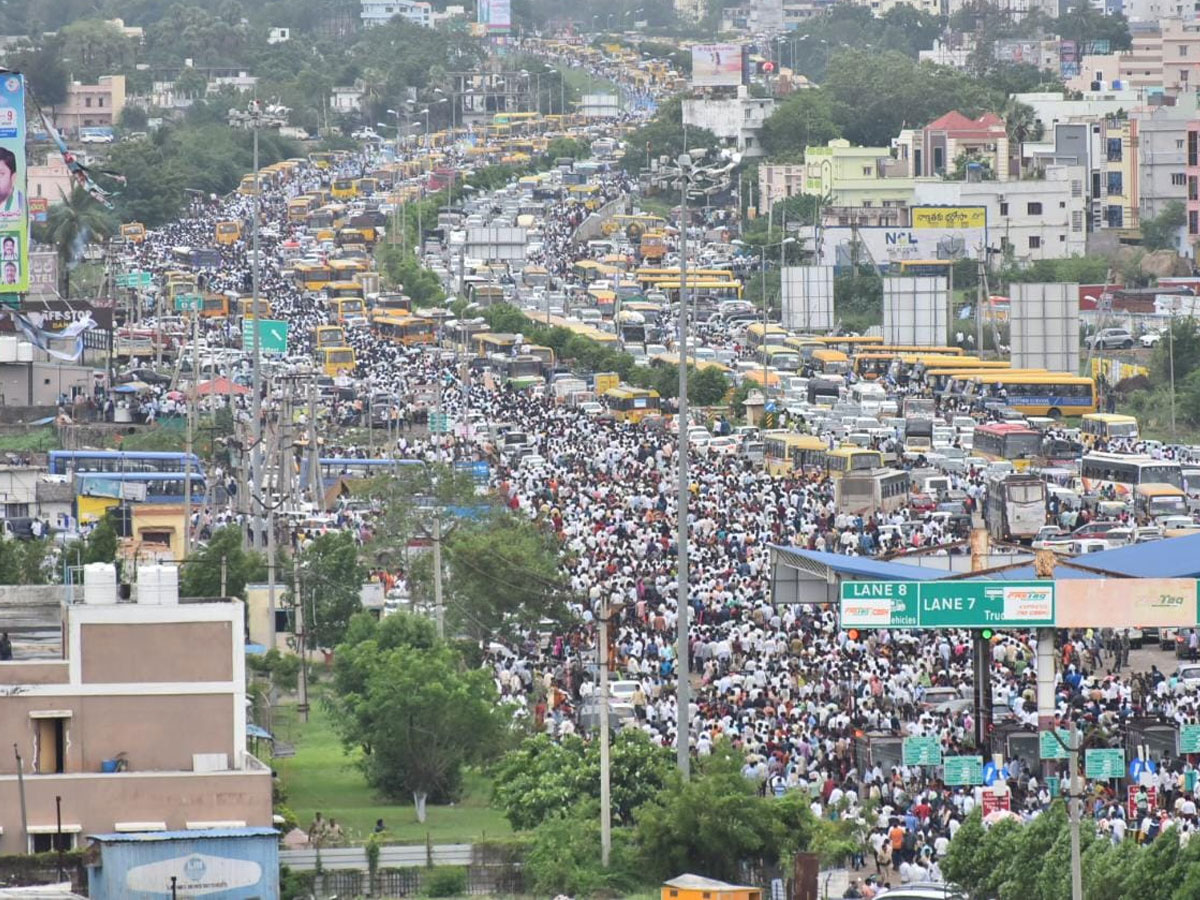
x,y
840,444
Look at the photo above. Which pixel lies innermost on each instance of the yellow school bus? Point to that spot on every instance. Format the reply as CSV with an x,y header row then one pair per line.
x,y
227,232
248,185
786,452
298,209
134,232
344,188
629,404
247,307
310,277
336,360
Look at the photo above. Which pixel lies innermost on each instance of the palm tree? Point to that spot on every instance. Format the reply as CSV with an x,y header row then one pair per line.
x,y
70,225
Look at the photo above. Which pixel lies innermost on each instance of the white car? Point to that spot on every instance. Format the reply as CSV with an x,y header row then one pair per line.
x,y
726,445
699,437
591,408
1151,338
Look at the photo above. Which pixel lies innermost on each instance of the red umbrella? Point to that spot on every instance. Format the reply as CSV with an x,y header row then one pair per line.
x,y
220,385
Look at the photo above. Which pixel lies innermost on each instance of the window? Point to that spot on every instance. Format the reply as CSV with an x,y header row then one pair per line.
x,y
1179,144
87,101
1033,209
1034,242
1004,209
100,102
50,842
1183,49
1114,216
1178,179
1193,148
1183,74
867,170
1193,194
1114,149
1116,184
1193,224
1077,220
50,730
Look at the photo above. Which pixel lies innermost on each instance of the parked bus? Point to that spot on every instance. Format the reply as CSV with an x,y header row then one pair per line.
x,y
227,232
1018,444
824,391
494,343
343,189
786,452
1015,509
336,360
1120,474
329,336
1153,501
349,311
67,462
214,306
1052,394
777,356
248,308
760,335
842,460
851,343
96,493
827,363
298,209
134,232
311,277
629,404
863,492
402,329
1104,427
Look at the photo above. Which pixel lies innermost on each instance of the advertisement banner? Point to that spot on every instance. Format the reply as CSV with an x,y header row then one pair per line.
x,y
39,208
496,16
43,273
888,246
717,65
1156,602
14,214
924,217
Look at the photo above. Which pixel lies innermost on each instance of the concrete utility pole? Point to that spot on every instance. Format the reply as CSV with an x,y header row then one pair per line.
x,y
605,750
439,606
1076,789
193,400
256,358
682,665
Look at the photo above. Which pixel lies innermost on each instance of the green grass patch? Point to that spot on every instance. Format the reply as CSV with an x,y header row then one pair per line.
x,y
322,776
39,440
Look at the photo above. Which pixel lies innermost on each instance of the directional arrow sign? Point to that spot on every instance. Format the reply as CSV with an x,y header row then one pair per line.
x,y
962,770
272,335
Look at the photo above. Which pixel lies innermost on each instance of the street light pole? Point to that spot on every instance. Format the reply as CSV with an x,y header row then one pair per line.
x,y
682,663
256,337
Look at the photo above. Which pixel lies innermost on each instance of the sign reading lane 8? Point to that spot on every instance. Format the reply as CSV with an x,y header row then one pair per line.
x,y
947,604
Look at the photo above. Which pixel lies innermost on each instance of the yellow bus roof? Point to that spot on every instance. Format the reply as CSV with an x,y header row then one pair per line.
x,y
1110,418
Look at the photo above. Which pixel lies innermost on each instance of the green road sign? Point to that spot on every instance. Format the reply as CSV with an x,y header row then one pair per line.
x,y
134,279
1052,784
879,604
1049,748
439,423
189,302
272,335
962,770
1104,764
947,604
922,751
1189,739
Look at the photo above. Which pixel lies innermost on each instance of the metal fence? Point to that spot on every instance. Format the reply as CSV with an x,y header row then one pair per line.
x,y
391,883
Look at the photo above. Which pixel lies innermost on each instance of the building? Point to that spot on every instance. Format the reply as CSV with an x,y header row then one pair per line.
x,y
1192,170
1052,107
1121,182
735,120
1161,159
843,175
777,182
1030,220
243,861
380,12
1164,59
279,35
346,98
697,887
96,105
933,150
50,179
138,722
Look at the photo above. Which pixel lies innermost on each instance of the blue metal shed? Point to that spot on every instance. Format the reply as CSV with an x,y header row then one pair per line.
x,y
219,864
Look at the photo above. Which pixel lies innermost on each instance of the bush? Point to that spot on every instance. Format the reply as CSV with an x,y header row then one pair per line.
x,y
445,881
295,885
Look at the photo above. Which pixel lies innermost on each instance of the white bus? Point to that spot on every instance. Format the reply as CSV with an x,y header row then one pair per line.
x,y
867,491
1016,507
1121,473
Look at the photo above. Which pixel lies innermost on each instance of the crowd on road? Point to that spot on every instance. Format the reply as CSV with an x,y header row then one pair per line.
x,y
810,706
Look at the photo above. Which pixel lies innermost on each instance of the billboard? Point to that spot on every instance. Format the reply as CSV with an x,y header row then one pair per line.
x,y
927,218
43,273
915,310
717,65
885,246
14,214
1044,327
808,298
495,16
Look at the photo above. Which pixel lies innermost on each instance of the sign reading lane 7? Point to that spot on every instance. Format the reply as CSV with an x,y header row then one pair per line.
x,y
947,604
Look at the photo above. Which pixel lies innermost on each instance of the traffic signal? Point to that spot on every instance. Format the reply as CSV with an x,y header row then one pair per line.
x,y
852,634
987,634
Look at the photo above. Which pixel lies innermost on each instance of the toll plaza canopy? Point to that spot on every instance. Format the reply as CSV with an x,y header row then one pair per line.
x,y
800,575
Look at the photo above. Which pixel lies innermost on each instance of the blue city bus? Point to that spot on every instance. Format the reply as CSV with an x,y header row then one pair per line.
x,y
335,467
160,487
66,462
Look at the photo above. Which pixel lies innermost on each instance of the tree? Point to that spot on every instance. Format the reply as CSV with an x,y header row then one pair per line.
x,y
44,73
564,857
540,778
1021,123
707,387
419,719
503,577
71,225
202,571
1181,347
714,822
1161,232
21,561
968,160
664,136
330,569
804,119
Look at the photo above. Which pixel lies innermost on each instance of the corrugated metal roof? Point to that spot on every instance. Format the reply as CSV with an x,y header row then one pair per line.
x,y
148,836
1177,557
864,566
1027,573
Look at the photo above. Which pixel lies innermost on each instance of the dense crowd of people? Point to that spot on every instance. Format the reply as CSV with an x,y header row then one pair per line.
x,y
811,707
